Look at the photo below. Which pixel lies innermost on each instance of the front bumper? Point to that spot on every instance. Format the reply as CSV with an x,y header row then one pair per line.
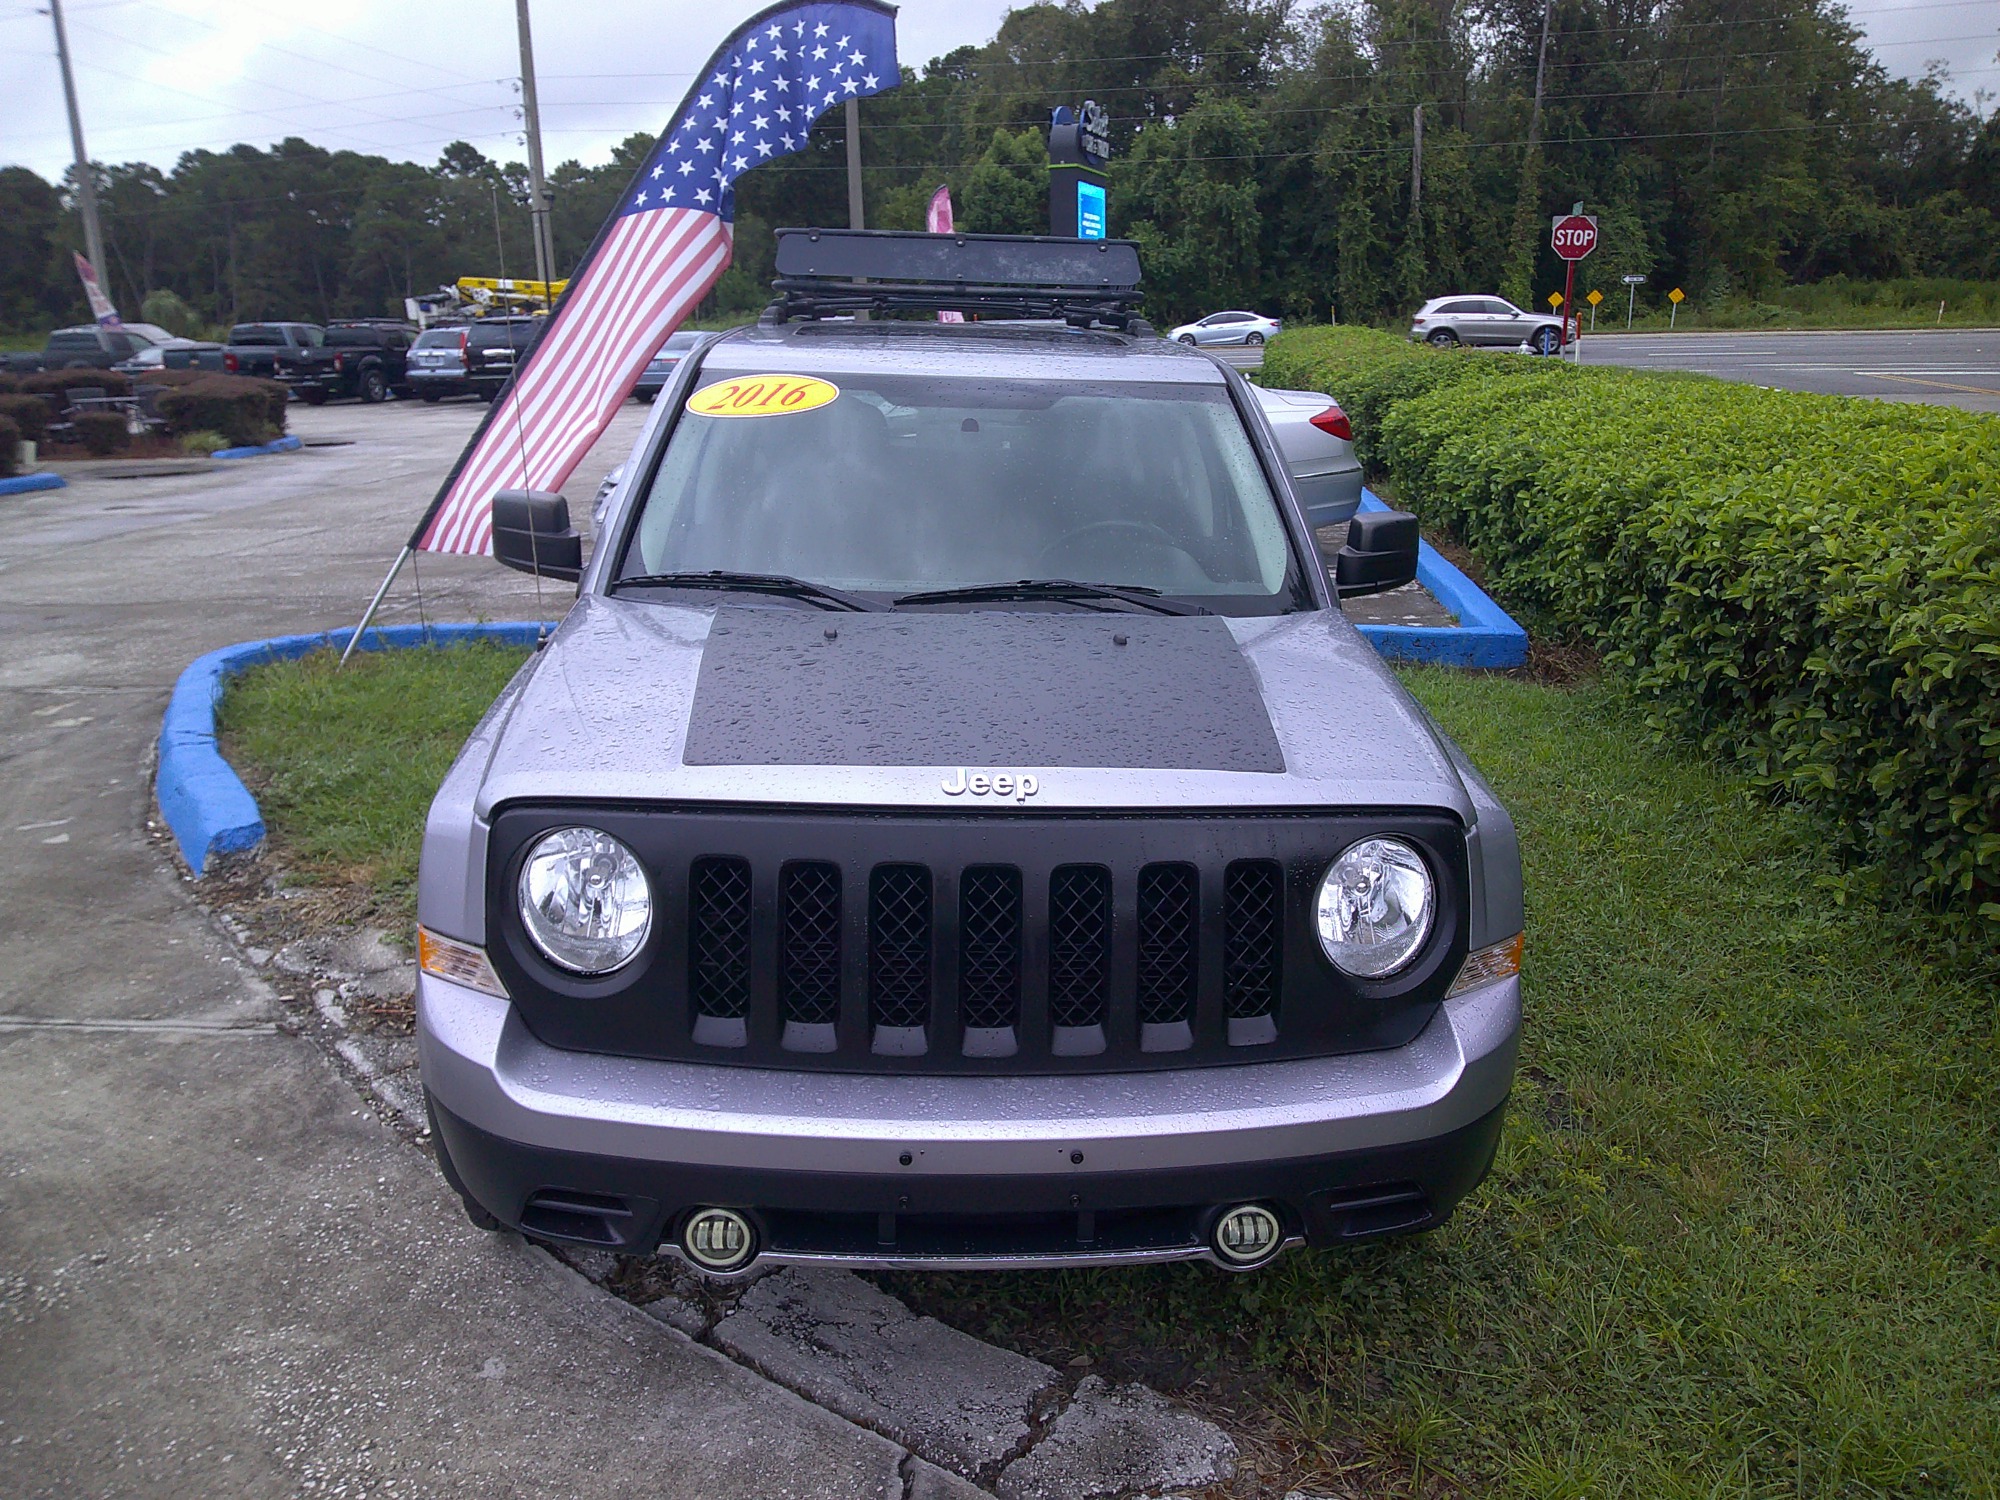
x,y
963,1171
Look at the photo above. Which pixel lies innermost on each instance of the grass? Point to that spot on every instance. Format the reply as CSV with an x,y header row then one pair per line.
x,y
1743,1236
344,761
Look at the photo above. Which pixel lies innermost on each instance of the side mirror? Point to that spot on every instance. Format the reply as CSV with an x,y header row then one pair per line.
x,y
1381,553
532,534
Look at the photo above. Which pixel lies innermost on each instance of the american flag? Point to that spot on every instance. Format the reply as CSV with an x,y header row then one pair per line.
x,y
667,243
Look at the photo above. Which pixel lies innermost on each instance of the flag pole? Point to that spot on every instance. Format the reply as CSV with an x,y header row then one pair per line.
x,y
375,603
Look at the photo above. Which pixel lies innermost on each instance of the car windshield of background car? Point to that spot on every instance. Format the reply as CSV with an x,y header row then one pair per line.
x,y
257,337
912,483
438,338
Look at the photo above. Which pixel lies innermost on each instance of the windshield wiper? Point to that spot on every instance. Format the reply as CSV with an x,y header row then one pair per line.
x,y
1135,594
750,583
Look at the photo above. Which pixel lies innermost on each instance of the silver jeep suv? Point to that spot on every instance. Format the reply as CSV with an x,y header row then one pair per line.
x,y
955,825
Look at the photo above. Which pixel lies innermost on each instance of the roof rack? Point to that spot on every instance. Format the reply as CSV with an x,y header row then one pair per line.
x,y
822,272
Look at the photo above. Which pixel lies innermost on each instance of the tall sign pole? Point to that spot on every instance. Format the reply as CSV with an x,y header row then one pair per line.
x,y
538,198
854,165
1079,150
86,186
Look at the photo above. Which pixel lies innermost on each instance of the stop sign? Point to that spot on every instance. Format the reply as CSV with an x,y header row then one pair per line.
x,y
1575,236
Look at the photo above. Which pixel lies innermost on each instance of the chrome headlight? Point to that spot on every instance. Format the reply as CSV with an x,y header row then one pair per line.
x,y
1375,907
585,900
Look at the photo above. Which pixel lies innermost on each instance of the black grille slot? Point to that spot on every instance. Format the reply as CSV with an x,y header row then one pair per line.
x,y
1253,937
1079,944
809,958
989,936
1169,914
719,937
899,945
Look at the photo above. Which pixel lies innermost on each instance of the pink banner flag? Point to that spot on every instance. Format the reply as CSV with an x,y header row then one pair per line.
x,y
938,220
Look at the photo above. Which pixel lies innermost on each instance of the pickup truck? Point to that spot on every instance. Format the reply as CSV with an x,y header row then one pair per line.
x,y
365,358
252,348
86,346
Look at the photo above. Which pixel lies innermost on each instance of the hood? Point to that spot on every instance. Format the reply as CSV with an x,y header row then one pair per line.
x,y
1040,711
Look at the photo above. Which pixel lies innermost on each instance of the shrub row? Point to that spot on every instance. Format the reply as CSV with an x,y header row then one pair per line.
x,y
244,411
9,436
1807,584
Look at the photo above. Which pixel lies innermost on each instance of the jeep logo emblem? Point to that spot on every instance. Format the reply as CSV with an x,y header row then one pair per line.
x,y
1016,784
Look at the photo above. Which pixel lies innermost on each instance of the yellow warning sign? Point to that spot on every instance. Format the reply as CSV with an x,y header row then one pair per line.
x,y
762,396
1677,296
1555,299
1594,298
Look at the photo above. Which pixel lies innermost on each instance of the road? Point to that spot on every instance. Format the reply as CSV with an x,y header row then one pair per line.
x,y
1951,367
219,1273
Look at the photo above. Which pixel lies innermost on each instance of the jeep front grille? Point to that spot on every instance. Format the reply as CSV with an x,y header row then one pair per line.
x,y
1169,915
989,955
1072,943
1079,945
809,954
719,938
1253,946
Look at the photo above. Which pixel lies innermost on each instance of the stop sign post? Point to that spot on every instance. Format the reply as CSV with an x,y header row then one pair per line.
x,y
1573,236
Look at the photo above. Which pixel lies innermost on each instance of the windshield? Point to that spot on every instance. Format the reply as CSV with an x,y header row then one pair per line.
x,y
902,484
439,338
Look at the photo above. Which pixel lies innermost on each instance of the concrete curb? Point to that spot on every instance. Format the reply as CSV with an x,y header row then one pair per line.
x,y
20,484
204,802
1486,635
280,445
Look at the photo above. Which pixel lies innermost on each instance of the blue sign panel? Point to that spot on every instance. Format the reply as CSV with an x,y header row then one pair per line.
x,y
1089,211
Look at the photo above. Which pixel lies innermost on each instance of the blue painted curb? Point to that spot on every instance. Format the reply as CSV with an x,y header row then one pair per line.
x,y
1485,636
20,484
281,445
206,805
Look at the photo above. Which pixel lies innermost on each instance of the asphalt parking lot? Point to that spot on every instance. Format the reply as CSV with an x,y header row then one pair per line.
x,y
1949,367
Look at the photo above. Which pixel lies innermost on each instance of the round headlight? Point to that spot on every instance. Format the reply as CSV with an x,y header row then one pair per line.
x,y
585,900
1374,908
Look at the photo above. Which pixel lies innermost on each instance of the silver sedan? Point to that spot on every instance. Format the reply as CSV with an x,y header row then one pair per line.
x,y
1318,444
1227,328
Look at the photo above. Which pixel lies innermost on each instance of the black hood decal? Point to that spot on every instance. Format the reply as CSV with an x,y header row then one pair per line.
x,y
990,688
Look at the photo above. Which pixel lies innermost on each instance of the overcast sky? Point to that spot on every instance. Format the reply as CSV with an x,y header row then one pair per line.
x,y
403,78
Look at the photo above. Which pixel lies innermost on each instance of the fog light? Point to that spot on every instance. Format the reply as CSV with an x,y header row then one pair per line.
x,y
719,1239
1248,1236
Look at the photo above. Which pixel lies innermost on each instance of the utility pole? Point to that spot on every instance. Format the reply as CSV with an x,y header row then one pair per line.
x,y
854,164
86,186
1526,214
1417,164
538,200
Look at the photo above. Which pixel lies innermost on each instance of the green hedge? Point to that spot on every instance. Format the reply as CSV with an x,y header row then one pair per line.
x,y
9,436
30,414
1809,584
245,411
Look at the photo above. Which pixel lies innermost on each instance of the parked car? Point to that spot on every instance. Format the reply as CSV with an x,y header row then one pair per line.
x,y
661,366
1485,321
253,348
477,357
1228,328
361,357
173,354
1317,441
85,346
956,826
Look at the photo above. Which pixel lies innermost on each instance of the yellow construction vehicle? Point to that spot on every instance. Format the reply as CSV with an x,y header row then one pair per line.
x,y
482,297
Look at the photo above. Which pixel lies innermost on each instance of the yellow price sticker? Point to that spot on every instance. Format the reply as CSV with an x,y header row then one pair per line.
x,y
1555,299
762,396
1677,295
1594,298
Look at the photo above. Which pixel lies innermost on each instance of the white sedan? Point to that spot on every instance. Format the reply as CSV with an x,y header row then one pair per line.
x,y
1227,328
1317,441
